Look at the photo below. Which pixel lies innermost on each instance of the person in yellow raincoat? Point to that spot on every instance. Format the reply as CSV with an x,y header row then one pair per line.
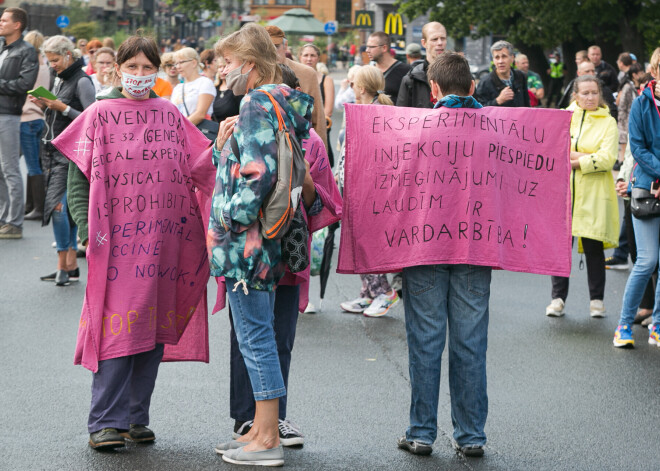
x,y
594,143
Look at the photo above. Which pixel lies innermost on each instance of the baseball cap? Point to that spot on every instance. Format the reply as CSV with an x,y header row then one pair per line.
x,y
413,49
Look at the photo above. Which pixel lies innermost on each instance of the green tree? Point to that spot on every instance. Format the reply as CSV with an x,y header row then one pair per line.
x,y
87,30
194,8
537,25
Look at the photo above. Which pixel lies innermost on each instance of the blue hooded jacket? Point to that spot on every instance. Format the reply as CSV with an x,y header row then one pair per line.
x,y
644,135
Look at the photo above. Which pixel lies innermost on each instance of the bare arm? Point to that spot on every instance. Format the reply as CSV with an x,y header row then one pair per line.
x,y
203,102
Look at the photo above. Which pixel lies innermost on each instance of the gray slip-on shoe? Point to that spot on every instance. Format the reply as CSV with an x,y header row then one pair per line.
x,y
416,448
270,457
231,445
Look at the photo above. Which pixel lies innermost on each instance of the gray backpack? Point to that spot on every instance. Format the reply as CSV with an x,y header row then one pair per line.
x,y
280,204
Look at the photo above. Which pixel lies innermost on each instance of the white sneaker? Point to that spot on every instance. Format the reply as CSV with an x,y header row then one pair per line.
x,y
356,306
556,308
597,308
310,309
381,304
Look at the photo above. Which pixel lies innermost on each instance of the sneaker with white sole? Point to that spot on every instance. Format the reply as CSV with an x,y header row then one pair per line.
x,y
290,434
555,308
310,309
357,306
597,308
382,304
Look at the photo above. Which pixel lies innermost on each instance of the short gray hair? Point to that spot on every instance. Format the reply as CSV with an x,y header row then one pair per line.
x,y
60,45
499,45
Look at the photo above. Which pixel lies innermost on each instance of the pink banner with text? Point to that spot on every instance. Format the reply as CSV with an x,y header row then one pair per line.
x,y
485,186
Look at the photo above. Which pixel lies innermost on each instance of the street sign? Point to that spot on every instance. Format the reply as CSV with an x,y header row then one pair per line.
x,y
364,19
330,27
62,21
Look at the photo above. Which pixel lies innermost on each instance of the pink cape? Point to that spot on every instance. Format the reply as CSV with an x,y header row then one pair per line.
x,y
485,186
324,182
150,173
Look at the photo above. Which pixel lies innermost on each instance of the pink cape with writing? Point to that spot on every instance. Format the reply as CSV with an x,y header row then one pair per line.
x,y
148,168
485,186
326,187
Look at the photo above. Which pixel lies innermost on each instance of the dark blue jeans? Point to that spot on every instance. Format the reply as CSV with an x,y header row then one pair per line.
x,y
438,298
241,399
31,132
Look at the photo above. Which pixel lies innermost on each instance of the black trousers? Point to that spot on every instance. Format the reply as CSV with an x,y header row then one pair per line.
x,y
595,255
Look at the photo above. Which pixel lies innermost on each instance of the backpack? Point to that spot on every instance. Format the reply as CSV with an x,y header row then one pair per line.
x,y
280,204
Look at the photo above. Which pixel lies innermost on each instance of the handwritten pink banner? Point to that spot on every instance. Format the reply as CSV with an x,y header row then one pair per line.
x,y
483,186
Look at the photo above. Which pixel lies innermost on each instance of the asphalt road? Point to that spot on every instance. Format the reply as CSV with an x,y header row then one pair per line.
x,y
561,397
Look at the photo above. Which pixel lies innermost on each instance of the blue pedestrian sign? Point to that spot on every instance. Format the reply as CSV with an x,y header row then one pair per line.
x,y
62,21
330,27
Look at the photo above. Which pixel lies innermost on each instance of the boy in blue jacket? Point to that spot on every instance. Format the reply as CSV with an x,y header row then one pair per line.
x,y
440,296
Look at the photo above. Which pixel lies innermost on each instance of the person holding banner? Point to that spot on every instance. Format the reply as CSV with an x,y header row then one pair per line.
x,y
594,150
252,264
644,139
137,200
376,296
445,297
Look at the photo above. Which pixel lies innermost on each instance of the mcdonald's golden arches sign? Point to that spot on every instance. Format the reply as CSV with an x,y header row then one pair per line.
x,y
394,24
364,19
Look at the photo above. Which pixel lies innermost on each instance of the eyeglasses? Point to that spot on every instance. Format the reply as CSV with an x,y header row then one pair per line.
x,y
379,45
177,64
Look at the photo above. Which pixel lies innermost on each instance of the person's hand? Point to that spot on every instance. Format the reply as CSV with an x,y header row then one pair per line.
x,y
621,188
309,190
37,101
657,89
55,105
505,95
225,132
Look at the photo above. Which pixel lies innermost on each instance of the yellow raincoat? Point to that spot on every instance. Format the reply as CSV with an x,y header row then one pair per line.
x,y
595,207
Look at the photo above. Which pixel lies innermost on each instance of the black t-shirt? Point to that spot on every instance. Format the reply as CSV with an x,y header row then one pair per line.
x,y
393,77
225,105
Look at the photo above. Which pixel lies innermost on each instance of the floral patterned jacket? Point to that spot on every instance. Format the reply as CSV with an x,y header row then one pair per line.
x,y
236,247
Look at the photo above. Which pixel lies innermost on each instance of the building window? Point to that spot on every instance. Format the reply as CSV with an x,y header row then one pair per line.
x,y
259,2
343,9
291,2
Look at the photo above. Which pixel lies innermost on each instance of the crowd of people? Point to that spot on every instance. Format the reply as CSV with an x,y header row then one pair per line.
x,y
241,92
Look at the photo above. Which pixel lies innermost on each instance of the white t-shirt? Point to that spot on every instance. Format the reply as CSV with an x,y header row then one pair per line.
x,y
200,86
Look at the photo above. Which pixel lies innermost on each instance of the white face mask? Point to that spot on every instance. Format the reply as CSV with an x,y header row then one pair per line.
x,y
236,81
137,86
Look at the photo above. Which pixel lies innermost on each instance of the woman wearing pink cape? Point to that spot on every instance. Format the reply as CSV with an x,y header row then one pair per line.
x,y
136,190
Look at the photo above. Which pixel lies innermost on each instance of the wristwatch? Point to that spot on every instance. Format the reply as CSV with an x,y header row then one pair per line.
x,y
66,111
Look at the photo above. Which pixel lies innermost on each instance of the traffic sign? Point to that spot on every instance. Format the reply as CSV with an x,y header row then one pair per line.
x,y
330,27
62,21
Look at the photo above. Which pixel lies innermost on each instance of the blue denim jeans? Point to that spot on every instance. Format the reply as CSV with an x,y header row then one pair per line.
x,y
437,297
253,319
66,236
31,132
241,402
646,238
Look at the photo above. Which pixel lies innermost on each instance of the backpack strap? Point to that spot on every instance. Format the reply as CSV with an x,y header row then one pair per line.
x,y
280,120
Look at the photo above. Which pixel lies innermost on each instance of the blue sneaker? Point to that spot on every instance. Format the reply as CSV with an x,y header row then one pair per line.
x,y
623,337
654,335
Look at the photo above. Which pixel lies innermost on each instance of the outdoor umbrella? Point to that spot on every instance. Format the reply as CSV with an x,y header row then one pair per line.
x,y
326,262
298,21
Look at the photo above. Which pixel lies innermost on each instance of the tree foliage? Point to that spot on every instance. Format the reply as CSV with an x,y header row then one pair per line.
x,y
193,8
628,24
86,29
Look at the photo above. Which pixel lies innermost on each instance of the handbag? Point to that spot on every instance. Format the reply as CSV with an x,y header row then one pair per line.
x,y
643,205
295,243
209,128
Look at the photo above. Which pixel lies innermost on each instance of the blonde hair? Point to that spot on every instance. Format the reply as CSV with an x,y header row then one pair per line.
x,y
655,62
371,79
252,43
321,67
35,38
188,53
